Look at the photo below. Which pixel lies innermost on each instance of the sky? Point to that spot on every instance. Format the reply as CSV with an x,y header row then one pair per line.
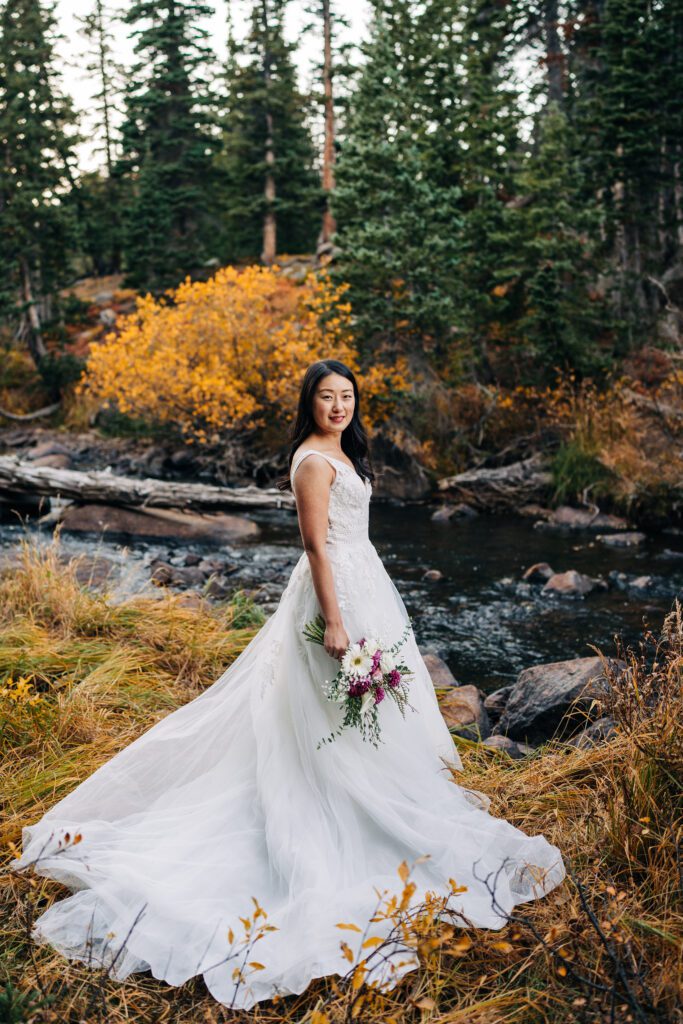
x,y
81,87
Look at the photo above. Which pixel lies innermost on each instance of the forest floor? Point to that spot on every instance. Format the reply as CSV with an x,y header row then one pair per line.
x,y
84,676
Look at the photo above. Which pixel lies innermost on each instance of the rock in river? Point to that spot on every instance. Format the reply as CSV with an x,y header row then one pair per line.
x,y
159,523
571,584
464,712
544,697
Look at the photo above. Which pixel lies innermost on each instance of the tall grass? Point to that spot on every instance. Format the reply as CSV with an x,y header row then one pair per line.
x,y
82,676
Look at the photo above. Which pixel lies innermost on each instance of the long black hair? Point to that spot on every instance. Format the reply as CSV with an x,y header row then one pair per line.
x,y
354,439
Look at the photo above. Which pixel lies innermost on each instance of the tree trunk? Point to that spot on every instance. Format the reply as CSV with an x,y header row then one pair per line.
x,y
329,225
554,57
36,345
269,191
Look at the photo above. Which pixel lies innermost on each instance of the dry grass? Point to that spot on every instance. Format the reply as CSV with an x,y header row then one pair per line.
x,y
606,945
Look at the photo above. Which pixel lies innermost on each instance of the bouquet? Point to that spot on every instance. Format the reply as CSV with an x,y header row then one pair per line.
x,y
369,673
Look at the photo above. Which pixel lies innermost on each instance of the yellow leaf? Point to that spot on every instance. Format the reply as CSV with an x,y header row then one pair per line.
x,y
403,871
503,947
374,940
426,1003
256,965
319,1018
562,971
358,976
461,945
231,936
350,927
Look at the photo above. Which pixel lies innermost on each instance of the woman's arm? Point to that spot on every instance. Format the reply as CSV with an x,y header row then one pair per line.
x,y
312,484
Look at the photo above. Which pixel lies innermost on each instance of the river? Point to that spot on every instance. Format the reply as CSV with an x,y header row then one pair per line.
x,y
480,616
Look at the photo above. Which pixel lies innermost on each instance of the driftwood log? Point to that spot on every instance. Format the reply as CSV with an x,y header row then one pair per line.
x,y
500,487
106,488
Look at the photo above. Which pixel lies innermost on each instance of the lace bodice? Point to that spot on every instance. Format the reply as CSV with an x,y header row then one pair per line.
x,y
348,513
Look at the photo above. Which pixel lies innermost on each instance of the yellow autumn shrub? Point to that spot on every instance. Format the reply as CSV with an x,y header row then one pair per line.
x,y
227,354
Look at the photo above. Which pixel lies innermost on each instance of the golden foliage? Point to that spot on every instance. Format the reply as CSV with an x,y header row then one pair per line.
x,y
229,353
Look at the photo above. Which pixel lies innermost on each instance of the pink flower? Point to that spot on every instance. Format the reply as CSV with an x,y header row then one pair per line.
x,y
394,678
379,694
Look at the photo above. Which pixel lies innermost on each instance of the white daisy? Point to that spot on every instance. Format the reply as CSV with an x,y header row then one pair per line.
x,y
356,662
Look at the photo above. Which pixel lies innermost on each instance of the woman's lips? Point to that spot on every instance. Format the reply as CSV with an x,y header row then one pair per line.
x,y
337,419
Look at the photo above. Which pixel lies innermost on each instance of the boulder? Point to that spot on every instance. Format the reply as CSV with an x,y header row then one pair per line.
x,y
56,461
570,584
599,731
91,570
567,518
166,575
540,572
504,744
461,510
495,702
441,675
159,523
547,697
629,539
464,712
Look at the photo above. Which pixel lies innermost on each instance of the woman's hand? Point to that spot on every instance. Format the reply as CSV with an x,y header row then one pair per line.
x,y
336,640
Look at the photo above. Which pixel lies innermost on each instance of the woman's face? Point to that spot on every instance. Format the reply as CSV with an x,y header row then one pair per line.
x,y
333,403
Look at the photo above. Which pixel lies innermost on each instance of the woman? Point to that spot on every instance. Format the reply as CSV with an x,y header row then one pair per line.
x,y
230,803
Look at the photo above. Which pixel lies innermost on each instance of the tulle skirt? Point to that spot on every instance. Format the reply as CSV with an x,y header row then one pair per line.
x,y
224,842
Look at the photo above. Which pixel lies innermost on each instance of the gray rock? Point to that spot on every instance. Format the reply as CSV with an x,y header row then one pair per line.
x,y
107,317
630,539
504,744
464,712
571,584
158,523
599,731
441,675
56,461
166,575
461,510
540,572
47,448
554,698
495,702
567,518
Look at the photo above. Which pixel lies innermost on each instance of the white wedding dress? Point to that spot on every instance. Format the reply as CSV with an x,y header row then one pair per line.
x,y
229,798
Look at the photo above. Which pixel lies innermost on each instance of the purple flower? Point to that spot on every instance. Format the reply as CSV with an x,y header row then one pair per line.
x,y
376,658
394,677
379,694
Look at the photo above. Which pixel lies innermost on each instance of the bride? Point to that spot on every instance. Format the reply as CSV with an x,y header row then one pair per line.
x,y
228,804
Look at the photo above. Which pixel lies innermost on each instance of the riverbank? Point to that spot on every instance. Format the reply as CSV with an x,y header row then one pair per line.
x,y
82,677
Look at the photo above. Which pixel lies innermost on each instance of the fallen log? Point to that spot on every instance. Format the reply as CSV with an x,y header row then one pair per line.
x,y
106,488
500,487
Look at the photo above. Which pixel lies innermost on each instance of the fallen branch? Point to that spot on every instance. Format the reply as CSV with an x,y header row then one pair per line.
x,y
47,410
106,488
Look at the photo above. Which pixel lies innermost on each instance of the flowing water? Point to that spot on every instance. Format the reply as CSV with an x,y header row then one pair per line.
x,y
480,616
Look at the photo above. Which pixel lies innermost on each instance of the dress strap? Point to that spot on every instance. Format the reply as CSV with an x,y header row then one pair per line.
x,y
312,451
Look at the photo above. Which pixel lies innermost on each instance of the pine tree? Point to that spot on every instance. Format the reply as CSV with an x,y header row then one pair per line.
x,y
167,145
397,221
270,192
478,147
101,192
37,133
548,265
